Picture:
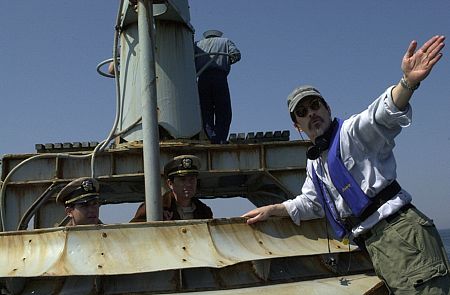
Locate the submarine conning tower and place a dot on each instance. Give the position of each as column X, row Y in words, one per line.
column 179, row 114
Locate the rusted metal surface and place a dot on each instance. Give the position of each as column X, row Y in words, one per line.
column 156, row 246
column 222, row 256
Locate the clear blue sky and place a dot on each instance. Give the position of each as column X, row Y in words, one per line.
column 350, row 50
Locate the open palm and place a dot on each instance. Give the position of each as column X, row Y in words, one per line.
column 416, row 65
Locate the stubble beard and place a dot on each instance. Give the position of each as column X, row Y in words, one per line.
column 318, row 128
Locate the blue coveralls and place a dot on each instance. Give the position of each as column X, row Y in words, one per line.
column 214, row 94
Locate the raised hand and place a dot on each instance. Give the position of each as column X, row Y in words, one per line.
column 416, row 65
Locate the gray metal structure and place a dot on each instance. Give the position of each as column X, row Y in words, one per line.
column 263, row 172
column 218, row 256
column 179, row 109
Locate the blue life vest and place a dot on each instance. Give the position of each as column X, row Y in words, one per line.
column 345, row 184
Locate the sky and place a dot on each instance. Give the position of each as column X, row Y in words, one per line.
column 350, row 50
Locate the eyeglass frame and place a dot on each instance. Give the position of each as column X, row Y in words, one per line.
column 302, row 111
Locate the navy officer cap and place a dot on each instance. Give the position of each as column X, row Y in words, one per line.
column 182, row 165
column 81, row 190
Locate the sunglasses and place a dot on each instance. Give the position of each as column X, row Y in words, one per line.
column 302, row 110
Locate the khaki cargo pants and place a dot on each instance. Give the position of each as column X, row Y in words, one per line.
column 408, row 254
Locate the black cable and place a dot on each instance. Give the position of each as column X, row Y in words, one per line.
column 331, row 262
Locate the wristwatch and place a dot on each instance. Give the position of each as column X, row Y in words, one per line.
column 407, row 86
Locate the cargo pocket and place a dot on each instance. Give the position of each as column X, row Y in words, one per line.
column 427, row 274
column 427, row 235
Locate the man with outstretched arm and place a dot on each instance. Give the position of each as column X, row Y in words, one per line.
column 351, row 180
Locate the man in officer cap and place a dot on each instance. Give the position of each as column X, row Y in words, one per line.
column 180, row 201
column 214, row 94
column 81, row 201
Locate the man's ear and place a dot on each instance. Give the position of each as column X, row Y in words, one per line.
column 169, row 184
column 68, row 211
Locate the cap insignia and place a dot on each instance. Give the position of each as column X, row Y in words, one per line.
column 87, row 185
column 186, row 163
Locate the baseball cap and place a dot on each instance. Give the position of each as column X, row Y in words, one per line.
column 299, row 93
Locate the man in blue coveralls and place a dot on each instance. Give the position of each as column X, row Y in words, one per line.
column 215, row 102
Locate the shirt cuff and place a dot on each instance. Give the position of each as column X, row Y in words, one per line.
column 403, row 116
column 292, row 211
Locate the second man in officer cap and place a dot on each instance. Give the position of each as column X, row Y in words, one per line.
column 180, row 201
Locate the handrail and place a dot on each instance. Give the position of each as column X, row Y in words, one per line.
column 106, row 61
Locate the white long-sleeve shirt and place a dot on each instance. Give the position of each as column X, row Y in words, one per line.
column 366, row 144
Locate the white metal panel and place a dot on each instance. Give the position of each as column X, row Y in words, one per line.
column 156, row 246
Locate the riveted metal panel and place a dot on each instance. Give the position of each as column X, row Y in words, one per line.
column 199, row 256
column 99, row 250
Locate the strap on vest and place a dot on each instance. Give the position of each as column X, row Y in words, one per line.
column 382, row 197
